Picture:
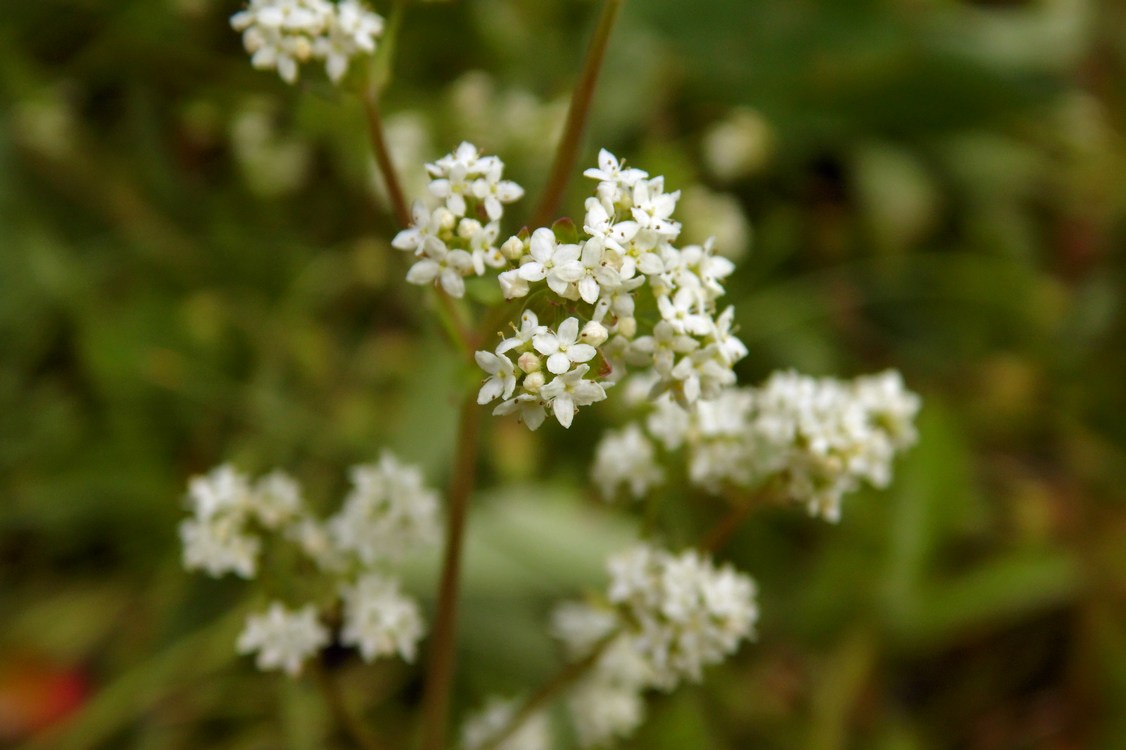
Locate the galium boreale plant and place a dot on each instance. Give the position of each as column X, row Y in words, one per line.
column 606, row 305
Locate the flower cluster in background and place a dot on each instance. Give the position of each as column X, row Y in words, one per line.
column 282, row 34
column 388, row 512
column 664, row 618
column 820, row 437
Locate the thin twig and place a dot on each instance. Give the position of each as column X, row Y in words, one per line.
column 577, row 114
column 383, row 160
column 563, row 679
column 440, row 670
column 720, row 534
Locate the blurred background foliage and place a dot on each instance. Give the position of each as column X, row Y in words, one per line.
column 195, row 267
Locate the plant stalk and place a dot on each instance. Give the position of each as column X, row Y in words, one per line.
column 399, row 206
column 567, row 153
column 440, row 670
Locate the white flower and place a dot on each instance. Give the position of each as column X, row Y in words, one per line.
column 682, row 613
column 627, row 459
column 596, row 274
column 281, row 34
column 529, row 328
column 558, row 264
column 388, row 513
column 284, row 639
column 562, row 348
column 218, row 545
column 379, row 620
column 443, row 266
column 567, row 392
column 352, row 32
column 528, row 407
column 534, row 732
column 503, row 380
column 228, row 511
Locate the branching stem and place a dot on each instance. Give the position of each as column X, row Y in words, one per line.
column 563, row 679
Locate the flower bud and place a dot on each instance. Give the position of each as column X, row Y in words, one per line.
column 466, row 228
column 445, row 218
column 528, row 362
column 513, row 248
column 627, row 327
column 533, row 382
column 594, row 333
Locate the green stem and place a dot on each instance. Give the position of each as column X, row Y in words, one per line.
column 567, row 153
column 440, row 670
column 563, row 679
column 383, row 159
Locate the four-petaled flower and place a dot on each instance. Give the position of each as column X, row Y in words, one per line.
column 562, row 348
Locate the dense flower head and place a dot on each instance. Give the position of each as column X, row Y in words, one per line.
column 681, row 612
column 228, row 511
column 282, row 34
column 593, row 282
column 283, row 638
column 820, row 438
column 388, row 513
column 457, row 238
column 379, row 620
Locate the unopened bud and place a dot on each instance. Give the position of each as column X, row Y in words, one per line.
column 513, row 248
column 466, row 228
column 446, row 218
column 594, row 333
column 528, row 362
column 533, row 382
column 627, row 327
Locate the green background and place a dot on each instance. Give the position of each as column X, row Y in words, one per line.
column 195, row 267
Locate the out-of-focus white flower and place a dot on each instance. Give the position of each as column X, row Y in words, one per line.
column 533, row 734
column 739, row 145
column 282, row 34
column 820, row 438
column 625, row 458
column 388, row 513
column 379, row 619
column 680, row 612
column 228, row 512
column 283, row 638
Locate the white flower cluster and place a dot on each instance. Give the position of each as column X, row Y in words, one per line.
column 820, row 437
column 534, row 733
column 388, row 513
column 458, row 238
column 626, row 459
column 666, row 617
column 281, row 34
column 283, row 638
column 683, row 613
column 626, row 248
column 227, row 511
